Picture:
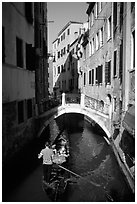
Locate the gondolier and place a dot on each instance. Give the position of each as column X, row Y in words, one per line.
column 47, row 154
column 57, row 182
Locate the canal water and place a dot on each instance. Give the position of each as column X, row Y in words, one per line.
column 90, row 156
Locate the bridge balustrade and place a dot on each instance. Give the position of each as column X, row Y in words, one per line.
column 72, row 98
column 80, row 103
column 96, row 105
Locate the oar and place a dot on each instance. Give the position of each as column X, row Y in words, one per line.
column 95, row 184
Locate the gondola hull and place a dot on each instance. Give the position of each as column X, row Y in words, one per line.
column 59, row 177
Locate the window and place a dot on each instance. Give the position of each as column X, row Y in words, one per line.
column 30, row 57
column 3, row 44
column 62, row 68
column 20, row 112
column 29, row 108
column 64, row 50
column 58, row 69
column 58, row 54
column 64, row 36
column 84, row 79
column 19, row 52
column 100, row 69
column 93, row 46
column 61, row 37
column 68, row 46
column 115, row 63
column 109, row 27
column 90, row 77
column 61, row 52
column 99, row 74
column 90, row 49
column 58, row 41
column 68, row 31
column 133, row 50
column 96, row 75
column 101, row 36
column 108, row 72
column 115, row 16
column 97, row 41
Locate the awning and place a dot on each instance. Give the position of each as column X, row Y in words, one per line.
column 129, row 120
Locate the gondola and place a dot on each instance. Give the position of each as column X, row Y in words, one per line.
column 57, row 186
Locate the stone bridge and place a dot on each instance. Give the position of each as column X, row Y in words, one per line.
column 74, row 103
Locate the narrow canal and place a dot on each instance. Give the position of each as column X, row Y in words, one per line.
column 90, row 156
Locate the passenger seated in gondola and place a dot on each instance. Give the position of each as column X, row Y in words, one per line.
column 61, row 151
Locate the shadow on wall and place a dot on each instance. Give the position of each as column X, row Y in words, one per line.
column 67, row 81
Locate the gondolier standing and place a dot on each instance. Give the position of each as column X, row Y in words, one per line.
column 47, row 154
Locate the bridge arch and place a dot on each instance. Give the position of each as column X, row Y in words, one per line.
column 101, row 120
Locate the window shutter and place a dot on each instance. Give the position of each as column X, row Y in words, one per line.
column 100, row 74
column 106, row 72
column 92, row 76
column 109, row 72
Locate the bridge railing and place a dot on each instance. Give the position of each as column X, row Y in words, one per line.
column 72, row 98
column 86, row 101
column 96, row 105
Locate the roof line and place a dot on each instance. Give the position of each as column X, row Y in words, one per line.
column 70, row 22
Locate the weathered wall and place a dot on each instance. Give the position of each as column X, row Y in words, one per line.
column 14, row 136
column 17, row 84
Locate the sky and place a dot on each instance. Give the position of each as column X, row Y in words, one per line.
column 61, row 13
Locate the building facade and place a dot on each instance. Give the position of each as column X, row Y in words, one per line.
column 124, row 102
column 107, row 73
column 62, row 74
column 96, row 54
column 19, row 74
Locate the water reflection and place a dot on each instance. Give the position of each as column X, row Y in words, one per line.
column 92, row 158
